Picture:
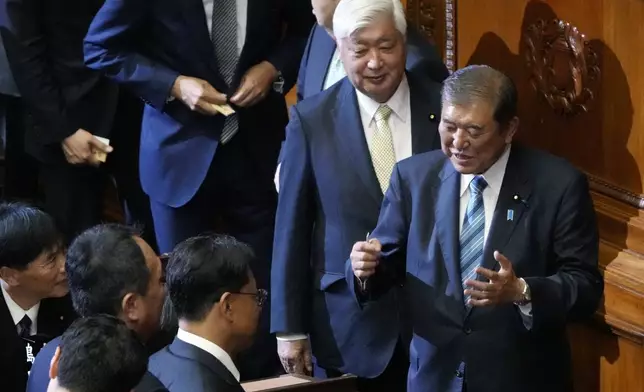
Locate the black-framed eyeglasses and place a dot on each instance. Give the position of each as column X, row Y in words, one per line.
column 260, row 296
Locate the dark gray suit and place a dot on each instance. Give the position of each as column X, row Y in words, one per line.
column 182, row 367
column 550, row 236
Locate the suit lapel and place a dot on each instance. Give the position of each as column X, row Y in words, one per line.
column 447, row 225
column 424, row 128
column 351, row 139
column 195, row 21
column 320, row 60
column 503, row 225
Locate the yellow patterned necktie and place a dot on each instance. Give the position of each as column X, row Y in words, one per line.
column 382, row 148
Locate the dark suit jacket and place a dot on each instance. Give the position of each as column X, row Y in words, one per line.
column 329, row 199
column 145, row 46
column 422, row 59
column 54, row 316
column 183, row 367
column 44, row 44
column 552, row 242
column 39, row 375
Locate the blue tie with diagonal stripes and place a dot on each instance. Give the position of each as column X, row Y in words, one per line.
column 472, row 234
column 224, row 36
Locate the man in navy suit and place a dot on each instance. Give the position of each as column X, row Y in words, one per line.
column 204, row 170
column 500, row 246
column 340, row 149
column 217, row 302
column 321, row 66
column 111, row 270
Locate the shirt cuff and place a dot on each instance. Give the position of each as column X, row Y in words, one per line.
column 526, row 315
column 289, row 337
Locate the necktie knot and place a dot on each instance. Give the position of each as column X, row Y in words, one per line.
column 24, row 327
column 383, row 113
column 477, row 185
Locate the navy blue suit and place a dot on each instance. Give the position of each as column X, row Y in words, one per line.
column 39, row 375
column 182, row 367
column 552, row 242
column 422, row 59
column 195, row 184
column 330, row 198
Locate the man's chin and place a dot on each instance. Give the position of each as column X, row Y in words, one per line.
column 60, row 290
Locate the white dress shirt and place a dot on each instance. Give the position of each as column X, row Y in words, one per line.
column 494, row 178
column 211, row 348
column 17, row 313
column 335, row 72
column 242, row 10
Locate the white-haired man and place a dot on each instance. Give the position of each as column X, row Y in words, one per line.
column 340, row 149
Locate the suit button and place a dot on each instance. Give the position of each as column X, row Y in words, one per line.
column 467, row 331
column 458, row 374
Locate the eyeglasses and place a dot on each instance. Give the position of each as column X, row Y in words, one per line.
column 260, row 296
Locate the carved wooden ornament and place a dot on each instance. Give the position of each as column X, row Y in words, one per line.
column 563, row 65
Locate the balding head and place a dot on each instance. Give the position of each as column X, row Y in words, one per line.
column 486, row 84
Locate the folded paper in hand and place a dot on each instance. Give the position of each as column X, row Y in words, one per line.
column 100, row 155
column 226, row 110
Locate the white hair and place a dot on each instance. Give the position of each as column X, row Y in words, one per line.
column 353, row 15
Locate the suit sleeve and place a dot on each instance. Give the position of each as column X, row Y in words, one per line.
column 301, row 75
column 423, row 58
column 392, row 231
column 290, row 271
column 286, row 58
column 575, row 289
column 27, row 51
column 111, row 47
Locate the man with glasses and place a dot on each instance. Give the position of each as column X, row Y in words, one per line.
column 217, row 302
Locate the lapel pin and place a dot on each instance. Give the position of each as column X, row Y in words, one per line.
column 510, row 216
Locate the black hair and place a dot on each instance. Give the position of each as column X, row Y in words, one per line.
column 25, row 233
column 104, row 263
column 201, row 269
column 101, row 354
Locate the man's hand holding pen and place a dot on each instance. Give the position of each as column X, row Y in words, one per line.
column 365, row 257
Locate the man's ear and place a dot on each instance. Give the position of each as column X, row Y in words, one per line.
column 511, row 129
column 53, row 365
column 225, row 305
column 130, row 307
column 9, row 275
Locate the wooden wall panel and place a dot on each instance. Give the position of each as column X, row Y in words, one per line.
column 579, row 68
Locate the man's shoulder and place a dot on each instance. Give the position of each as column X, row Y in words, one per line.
column 540, row 164
column 150, row 383
column 429, row 163
column 39, row 374
column 324, row 101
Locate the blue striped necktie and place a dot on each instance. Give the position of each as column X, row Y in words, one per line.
column 473, row 232
column 224, row 37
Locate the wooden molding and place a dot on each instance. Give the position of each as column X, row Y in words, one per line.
column 436, row 20
column 621, row 309
column 606, row 188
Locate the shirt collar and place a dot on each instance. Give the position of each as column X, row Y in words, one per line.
column 398, row 102
column 211, row 348
column 17, row 313
column 493, row 176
